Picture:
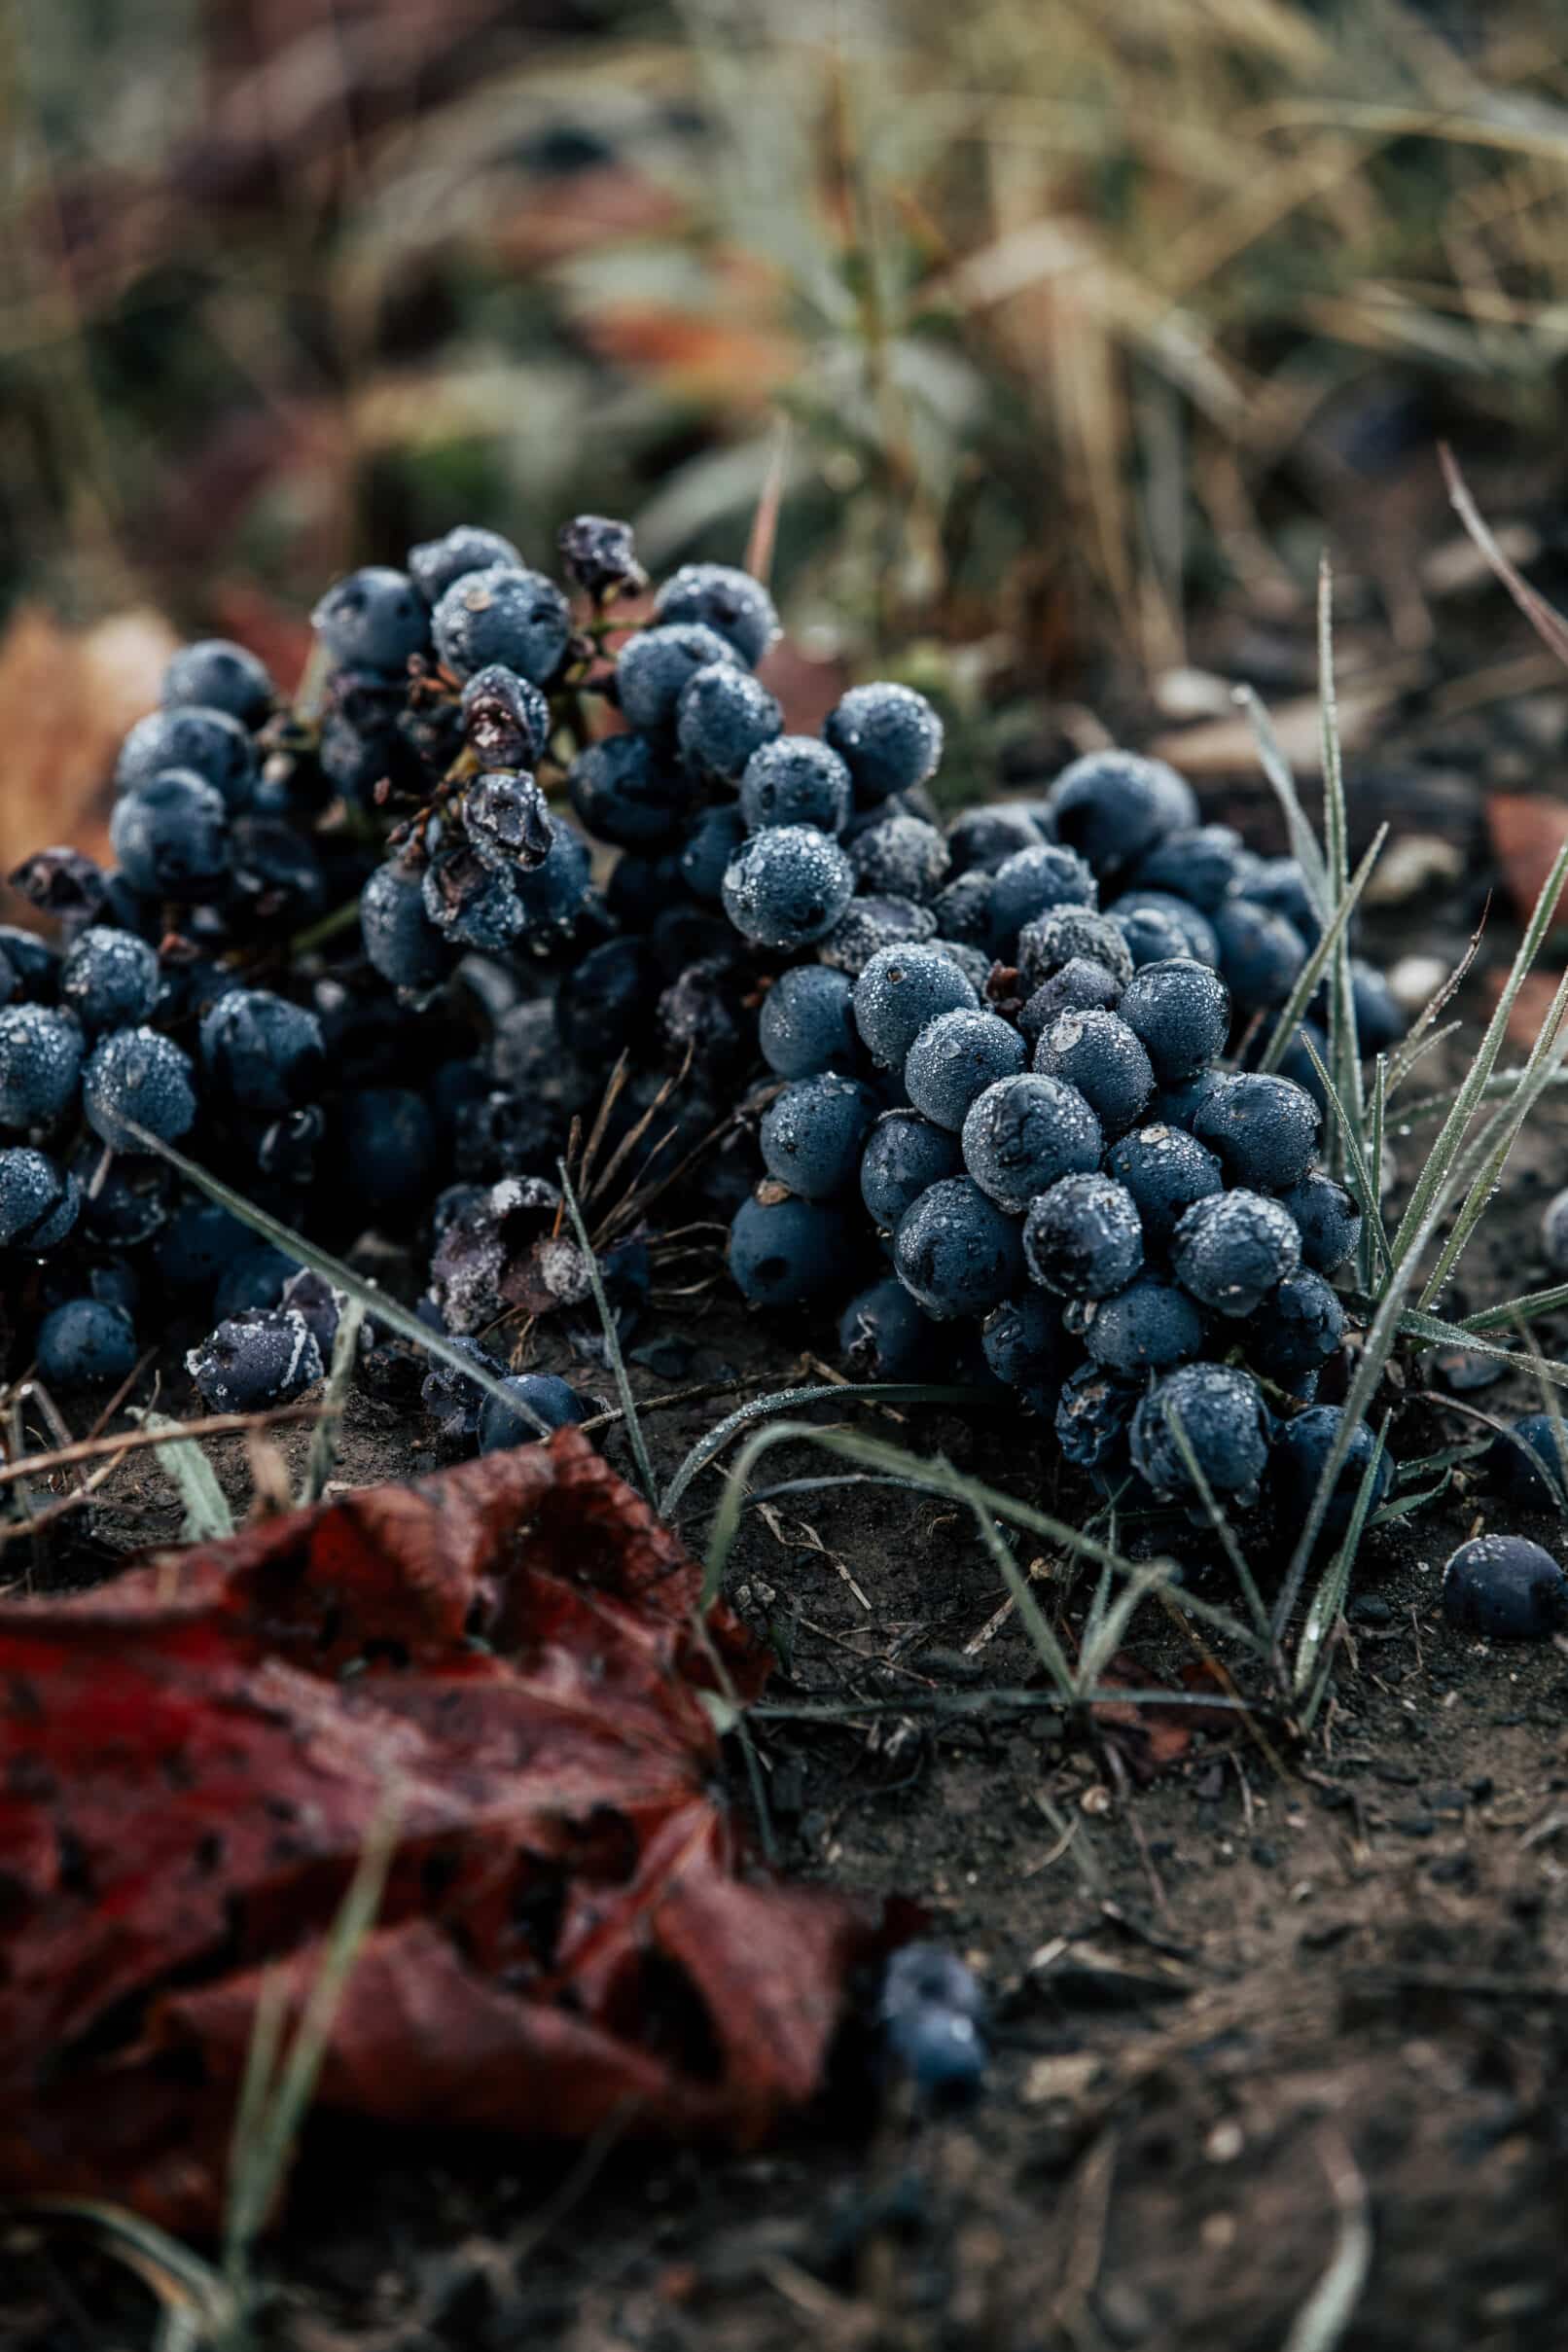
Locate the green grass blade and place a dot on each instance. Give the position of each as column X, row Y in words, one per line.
column 611, row 1339
column 207, row 1516
column 1305, row 846
column 262, row 2159
column 1527, row 1308
column 1498, row 1140
column 374, row 1301
column 1359, row 1179
column 713, row 1441
column 1217, row 1519
column 1435, row 1331
column 934, row 1476
column 1032, row 1616
column 327, row 1435
column 1313, row 971
column 1415, row 1220
column 1148, row 1575
column 1323, row 1613
column 1345, row 1041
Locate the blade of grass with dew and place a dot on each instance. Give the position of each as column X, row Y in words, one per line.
column 1417, row 1039
column 1344, row 1037
column 1376, row 1147
column 170, row 2270
column 1446, row 1150
column 1526, row 1308
column 327, row 1435
column 1496, row 1089
column 611, row 1339
column 1313, row 971
column 1410, row 1506
column 1367, row 1194
column 939, row 1477
column 1032, row 1616
column 1148, row 1575
column 1304, row 845
column 713, row 1441
column 1327, row 1601
column 374, row 1301
column 1377, row 1346
column 1556, row 1481
column 1497, row 1143
column 207, row 1516
column 1435, row 1331
column 1217, row 1519
column 277, row 2110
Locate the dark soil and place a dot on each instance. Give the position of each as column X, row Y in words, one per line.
column 1279, row 2003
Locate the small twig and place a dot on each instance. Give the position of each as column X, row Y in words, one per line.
column 214, row 1425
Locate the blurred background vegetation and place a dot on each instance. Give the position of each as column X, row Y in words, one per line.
column 1064, row 321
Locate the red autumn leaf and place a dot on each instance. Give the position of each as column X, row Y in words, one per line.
column 193, row 1757
column 1152, row 1738
column 1528, row 830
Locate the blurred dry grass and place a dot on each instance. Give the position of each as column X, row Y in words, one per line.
column 1071, row 310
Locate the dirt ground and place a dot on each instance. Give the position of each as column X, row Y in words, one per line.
column 1279, row 2034
column 1267, row 2008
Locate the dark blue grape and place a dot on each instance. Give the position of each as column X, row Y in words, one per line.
column 1528, row 1464
column 812, row 1133
column 722, row 598
column 1231, row 1249
column 171, row 837
column 517, row 618
column 540, row 1398
column 630, row 791
column 1180, row 1011
column 805, row 1023
column 956, row 1252
column 435, row 563
column 1165, row 1171
column 218, row 675
column 401, row 941
column 787, row 886
column 722, row 716
column 900, row 990
column 654, row 670
column 40, row 1063
column 206, row 743
column 904, row 1155
column 888, row 737
column 790, row 1253
column 883, row 1336
column 796, row 780
column 1221, row 1415
column 1083, row 1239
column 262, row 1053
column 955, row 1057
column 265, row 1355
column 139, row 1075
column 1113, row 806
column 1149, row 1327
column 86, row 1344
column 1505, row 1588
column 1025, row 1133
column 1263, row 1129
column 1098, row 1055
column 374, row 619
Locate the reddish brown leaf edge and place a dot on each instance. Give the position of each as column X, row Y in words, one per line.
column 572, row 1936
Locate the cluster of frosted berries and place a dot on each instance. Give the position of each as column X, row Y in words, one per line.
column 351, row 959
column 369, row 959
column 1021, row 1076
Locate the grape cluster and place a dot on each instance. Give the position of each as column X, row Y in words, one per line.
column 359, row 959
column 1025, row 1082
